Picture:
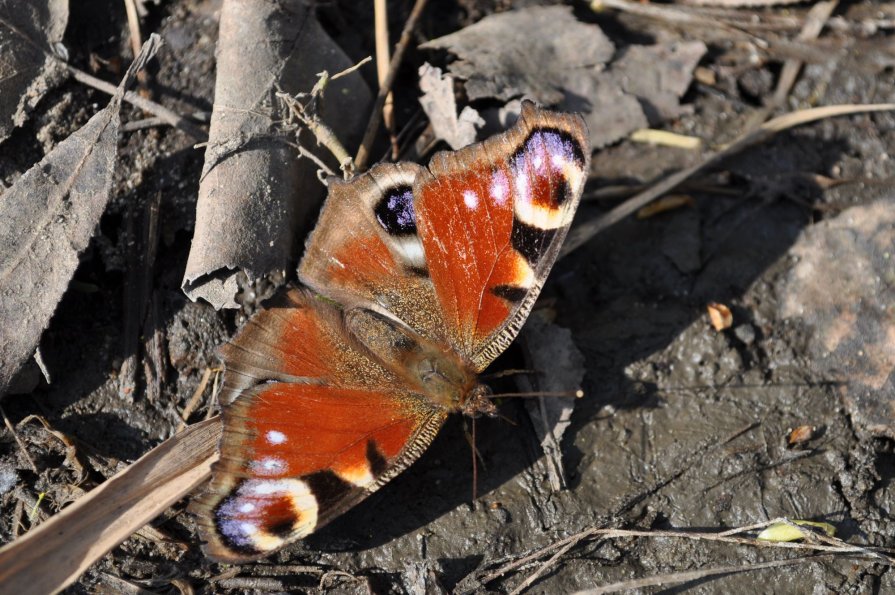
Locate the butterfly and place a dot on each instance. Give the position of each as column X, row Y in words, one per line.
column 414, row 279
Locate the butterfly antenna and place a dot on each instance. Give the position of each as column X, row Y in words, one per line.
column 475, row 466
column 510, row 372
column 559, row 393
column 476, row 457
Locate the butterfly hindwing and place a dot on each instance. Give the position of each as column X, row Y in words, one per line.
column 366, row 251
column 330, row 428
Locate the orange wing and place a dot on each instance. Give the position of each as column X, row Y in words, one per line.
column 329, row 429
column 492, row 218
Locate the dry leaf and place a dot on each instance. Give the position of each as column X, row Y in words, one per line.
column 49, row 216
column 551, row 351
column 666, row 139
column 440, row 105
column 842, row 288
column 494, row 64
column 788, row 532
column 720, row 315
column 801, row 435
column 256, row 196
column 565, row 62
column 54, row 554
column 28, row 31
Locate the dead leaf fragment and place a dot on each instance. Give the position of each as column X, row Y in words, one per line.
column 720, row 316
column 566, row 63
column 440, row 105
column 790, row 532
column 800, row 435
column 256, row 195
column 28, row 69
column 666, row 139
column 495, row 65
column 54, row 554
column 49, row 216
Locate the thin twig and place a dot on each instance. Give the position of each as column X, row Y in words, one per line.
column 363, row 153
column 149, row 106
column 133, row 24
column 18, row 440
column 563, row 545
column 323, row 133
column 317, row 160
column 814, row 24
column 215, row 391
column 194, row 400
column 692, row 575
column 674, row 16
column 530, row 579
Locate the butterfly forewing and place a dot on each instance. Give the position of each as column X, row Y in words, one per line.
column 491, row 219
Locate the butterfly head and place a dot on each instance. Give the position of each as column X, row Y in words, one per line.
column 478, row 402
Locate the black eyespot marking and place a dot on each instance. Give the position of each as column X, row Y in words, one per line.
column 511, row 293
column 418, row 271
column 394, row 211
column 327, row 487
column 283, row 527
column 378, row 464
column 530, row 241
column 561, row 192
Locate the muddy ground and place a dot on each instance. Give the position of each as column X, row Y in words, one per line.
column 682, row 426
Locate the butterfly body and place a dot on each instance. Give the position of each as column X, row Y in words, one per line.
column 416, row 279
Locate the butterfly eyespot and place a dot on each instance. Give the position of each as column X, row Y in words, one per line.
column 394, row 211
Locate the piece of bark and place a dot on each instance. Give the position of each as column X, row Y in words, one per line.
column 256, row 197
column 842, row 287
column 28, row 69
column 49, row 216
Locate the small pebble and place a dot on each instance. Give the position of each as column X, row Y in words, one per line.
column 745, row 333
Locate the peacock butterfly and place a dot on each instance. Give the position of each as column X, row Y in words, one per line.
column 416, row 278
